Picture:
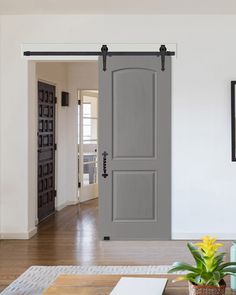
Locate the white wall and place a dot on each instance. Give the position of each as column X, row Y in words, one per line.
column 203, row 184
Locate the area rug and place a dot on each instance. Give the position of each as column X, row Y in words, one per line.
column 37, row 278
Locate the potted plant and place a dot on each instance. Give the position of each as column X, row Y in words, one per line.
column 207, row 276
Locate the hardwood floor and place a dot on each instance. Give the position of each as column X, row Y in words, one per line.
column 70, row 237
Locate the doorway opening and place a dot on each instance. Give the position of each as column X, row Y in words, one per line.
column 88, row 144
column 57, row 128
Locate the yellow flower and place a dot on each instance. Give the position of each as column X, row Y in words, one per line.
column 208, row 246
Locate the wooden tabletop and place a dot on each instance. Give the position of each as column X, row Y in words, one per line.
column 103, row 285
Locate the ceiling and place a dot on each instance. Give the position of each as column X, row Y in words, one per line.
column 118, row 7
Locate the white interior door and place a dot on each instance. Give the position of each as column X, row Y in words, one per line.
column 88, row 145
column 135, row 148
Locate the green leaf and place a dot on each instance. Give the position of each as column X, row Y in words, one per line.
column 194, row 278
column 228, row 274
column 196, row 255
column 180, row 266
column 224, row 265
column 229, row 269
column 199, row 280
column 219, row 258
column 217, row 276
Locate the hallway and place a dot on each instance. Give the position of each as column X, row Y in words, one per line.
column 70, row 237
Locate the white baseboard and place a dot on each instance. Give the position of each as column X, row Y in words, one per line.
column 82, row 200
column 18, row 236
column 68, row 203
column 198, row 236
column 72, row 202
column 60, row 207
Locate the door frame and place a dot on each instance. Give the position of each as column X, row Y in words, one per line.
column 32, row 93
column 79, row 91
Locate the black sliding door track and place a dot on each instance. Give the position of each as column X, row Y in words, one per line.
column 104, row 53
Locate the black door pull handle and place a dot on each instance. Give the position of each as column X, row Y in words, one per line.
column 104, row 155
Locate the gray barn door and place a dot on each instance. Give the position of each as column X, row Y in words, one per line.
column 135, row 134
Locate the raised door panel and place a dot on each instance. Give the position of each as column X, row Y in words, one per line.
column 133, row 98
column 134, row 195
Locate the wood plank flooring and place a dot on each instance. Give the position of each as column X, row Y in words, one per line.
column 70, row 237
